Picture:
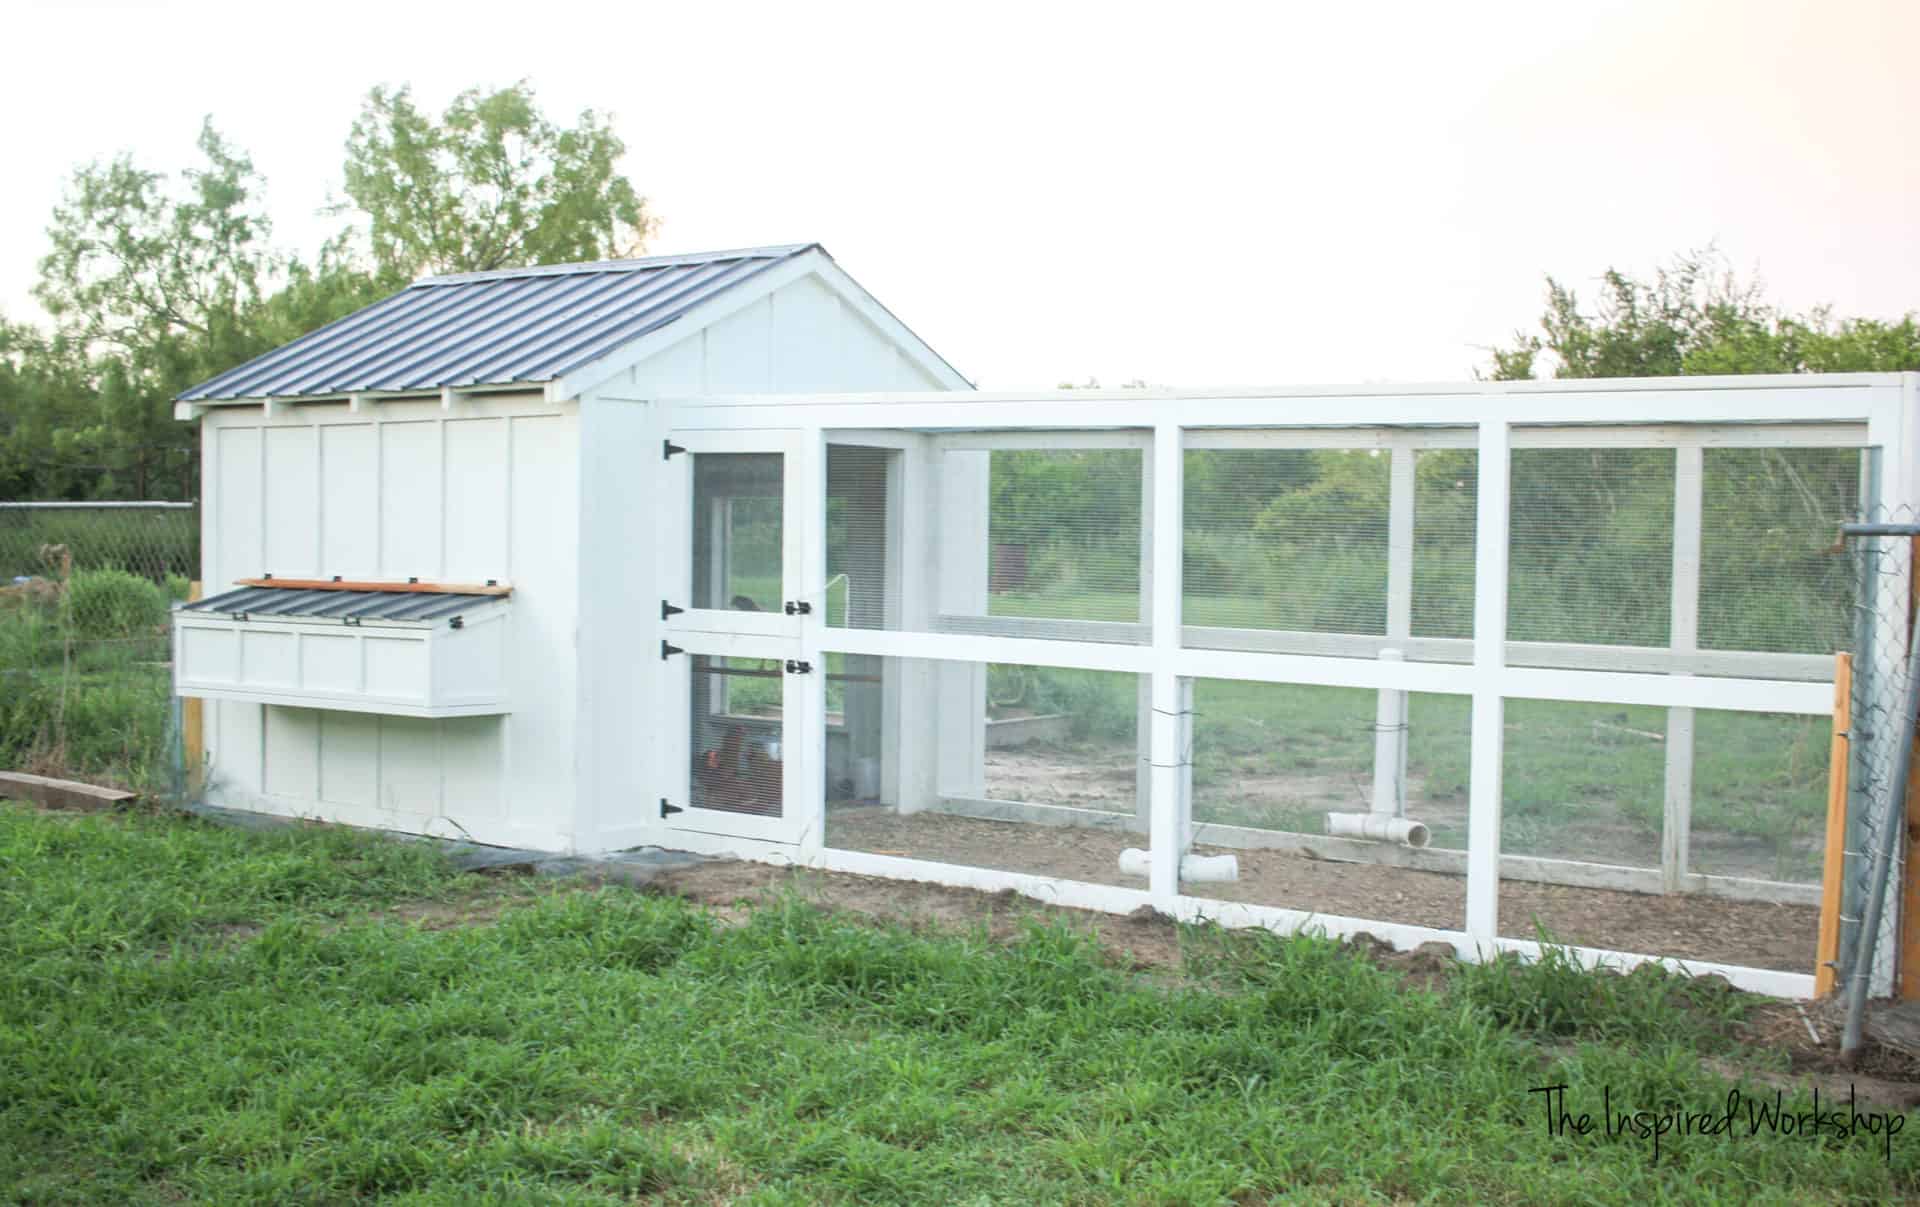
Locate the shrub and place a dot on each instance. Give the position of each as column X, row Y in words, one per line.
column 114, row 603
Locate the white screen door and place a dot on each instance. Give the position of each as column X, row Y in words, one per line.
column 737, row 686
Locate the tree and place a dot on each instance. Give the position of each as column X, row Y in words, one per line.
column 152, row 288
column 492, row 184
column 1696, row 316
column 1594, row 521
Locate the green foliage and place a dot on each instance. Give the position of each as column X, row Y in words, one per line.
column 1696, row 316
column 156, row 283
column 1098, row 704
column 114, row 603
column 492, row 184
column 208, row 1015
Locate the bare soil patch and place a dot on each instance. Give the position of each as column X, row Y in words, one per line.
column 1755, row 934
column 1101, row 776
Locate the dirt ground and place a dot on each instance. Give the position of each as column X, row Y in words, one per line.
column 1806, row 1033
column 1755, row 934
column 1101, row 776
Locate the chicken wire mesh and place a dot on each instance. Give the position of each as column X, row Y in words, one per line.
column 1063, row 533
column 85, row 681
column 1592, row 546
column 1006, row 766
column 1773, row 578
column 1286, row 539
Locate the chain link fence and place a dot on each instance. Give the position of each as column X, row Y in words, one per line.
column 85, row 683
column 1880, row 735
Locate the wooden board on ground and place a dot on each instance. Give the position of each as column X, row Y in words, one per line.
column 61, row 794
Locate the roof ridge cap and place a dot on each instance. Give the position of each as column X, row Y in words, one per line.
column 585, row 267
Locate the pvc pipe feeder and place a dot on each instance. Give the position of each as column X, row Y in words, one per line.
column 1196, row 869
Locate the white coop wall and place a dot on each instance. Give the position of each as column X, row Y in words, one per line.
column 804, row 336
column 483, row 489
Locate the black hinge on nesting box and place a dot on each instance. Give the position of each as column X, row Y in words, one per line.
column 799, row 607
column 796, row 667
column 668, row 651
column 667, row 810
column 668, row 448
column 667, row 609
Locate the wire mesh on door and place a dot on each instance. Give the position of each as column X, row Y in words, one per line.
column 737, row 733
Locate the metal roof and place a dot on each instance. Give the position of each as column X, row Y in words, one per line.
column 338, row 605
column 493, row 328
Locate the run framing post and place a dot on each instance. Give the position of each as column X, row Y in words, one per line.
column 807, row 756
column 1143, row 709
column 1684, row 636
column 1400, row 543
column 1169, row 826
column 1491, row 526
column 1390, row 711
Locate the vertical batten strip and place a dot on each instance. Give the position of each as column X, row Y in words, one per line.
column 1167, row 824
column 1489, row 661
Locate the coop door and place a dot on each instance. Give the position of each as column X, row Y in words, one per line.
column 737, row 688
column 741, row 702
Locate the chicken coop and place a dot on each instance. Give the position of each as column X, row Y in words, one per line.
column 712, row 553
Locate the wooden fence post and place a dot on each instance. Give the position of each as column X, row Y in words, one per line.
column 1834, row 868
column 192, row 725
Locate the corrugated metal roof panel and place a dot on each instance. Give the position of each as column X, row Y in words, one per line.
column 493, row 328
column 296, row 602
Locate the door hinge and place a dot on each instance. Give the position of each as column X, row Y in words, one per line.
column 799, row 607
column 668, row 448
column 668, row 651
column 667, row 609
column 797, row 667
column 667, row 810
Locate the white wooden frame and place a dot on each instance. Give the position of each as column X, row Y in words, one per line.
column 1833, row 411
column 774, row 636
column 800, row 757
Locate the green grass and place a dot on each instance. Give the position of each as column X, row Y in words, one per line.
column 192, row 1013
column 93, row 708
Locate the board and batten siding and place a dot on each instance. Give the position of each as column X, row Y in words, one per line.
column 487, row 489
column 802, row 337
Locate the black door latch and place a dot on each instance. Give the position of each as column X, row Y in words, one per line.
column 799, row 607
column 796, row 667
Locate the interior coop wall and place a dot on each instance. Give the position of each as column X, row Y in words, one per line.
column 487, row 490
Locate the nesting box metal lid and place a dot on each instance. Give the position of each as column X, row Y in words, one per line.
column 298, row 599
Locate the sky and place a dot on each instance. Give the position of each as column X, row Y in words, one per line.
column 1183, row 193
